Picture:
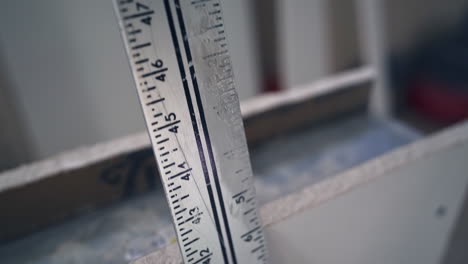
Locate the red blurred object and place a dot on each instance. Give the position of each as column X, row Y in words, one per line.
column 272, row 84
column 438, row 100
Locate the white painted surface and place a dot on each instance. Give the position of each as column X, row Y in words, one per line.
column 398, row 208
column 390, row 220
column 371, row 17
column 71, row 75
column 302, row 41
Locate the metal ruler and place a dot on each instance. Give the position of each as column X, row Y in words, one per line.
column 180, row 61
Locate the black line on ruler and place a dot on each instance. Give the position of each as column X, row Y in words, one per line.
column 195, row 125
column 167, row 125
column 142, row 61
column 239, row 194
column 191, row 253
column 203, row 259
column 186, row 232
column 155, row 101
column 162, row 141
column 138, row 15
column 169, row 165
column 141, row 46
column 249, row 211
column 133, row 32
column 205, row 127
column 199, row 2
column 153, row 73
column 176, row 188
column 191, row 241
column 180, row 173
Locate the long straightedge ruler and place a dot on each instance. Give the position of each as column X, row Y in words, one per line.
column 180, row 61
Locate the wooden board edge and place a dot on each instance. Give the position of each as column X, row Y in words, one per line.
column 316, row 194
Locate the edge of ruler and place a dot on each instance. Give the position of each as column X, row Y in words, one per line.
column 316, row 194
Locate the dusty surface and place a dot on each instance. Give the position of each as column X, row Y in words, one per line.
column 127, row 230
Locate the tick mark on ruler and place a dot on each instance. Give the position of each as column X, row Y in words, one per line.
column 191, row 253
column 187, row 232
column 162, row 141
column 153, row 73
column 169, row 165
column 141, row 61
column 133, row 32
column 140, row 46
column 191, row 242
column 123, row 2
column 139, row 15
column 219, row 39
column 180, row 173
column 166, row 126
column 156, row 101
column 203, row 259
column 149, row 89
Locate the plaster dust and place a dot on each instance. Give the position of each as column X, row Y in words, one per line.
column 131, row 229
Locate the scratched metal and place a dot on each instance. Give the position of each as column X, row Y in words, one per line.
column 179, row 58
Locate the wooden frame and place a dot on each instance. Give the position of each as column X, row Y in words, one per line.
column 293, row 223
column 80, row 180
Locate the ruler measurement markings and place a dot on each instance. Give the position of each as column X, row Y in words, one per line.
column 188, row 54
column 143, row 14
column 194, row 124
column 167, row 125
column 162, row 141
column 156, row 101
column 154, row 73
column 140, row 46
column 197, row 104
column 203, row 259
column 134, row 32
column 142, row 61
column 191, row 253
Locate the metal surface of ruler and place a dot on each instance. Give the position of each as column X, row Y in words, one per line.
column 179, row 58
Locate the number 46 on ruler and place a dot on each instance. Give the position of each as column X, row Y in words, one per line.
column 178, row 54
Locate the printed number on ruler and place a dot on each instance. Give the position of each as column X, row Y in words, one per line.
column 179, row 58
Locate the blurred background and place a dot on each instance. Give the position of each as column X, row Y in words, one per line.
column 65, row 80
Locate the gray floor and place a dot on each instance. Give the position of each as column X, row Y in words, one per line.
column 127, row 230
